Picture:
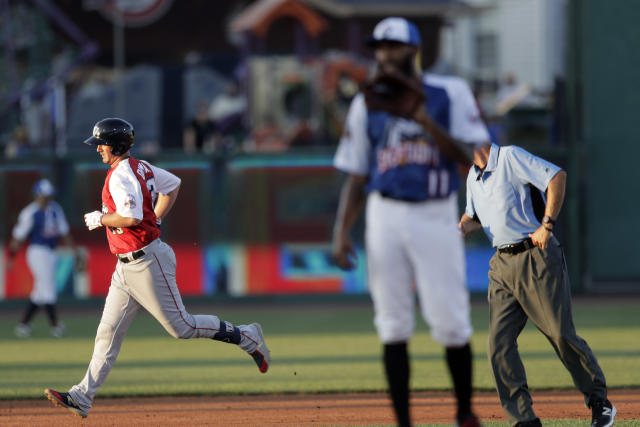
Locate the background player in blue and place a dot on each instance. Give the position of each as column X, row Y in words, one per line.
column 397, row 166
column 42, row 223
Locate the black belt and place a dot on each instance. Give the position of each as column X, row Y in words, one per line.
column 517, row 248
column 134, row 256
column 401, row 199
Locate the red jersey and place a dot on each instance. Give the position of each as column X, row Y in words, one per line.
column 130, row 191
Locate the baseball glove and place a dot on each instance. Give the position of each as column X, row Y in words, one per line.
column 394, row 92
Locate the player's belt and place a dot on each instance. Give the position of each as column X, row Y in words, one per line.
column 401, row 199
column 517, row 248
column 131, row 256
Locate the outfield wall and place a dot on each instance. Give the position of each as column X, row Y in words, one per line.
column 254, row 225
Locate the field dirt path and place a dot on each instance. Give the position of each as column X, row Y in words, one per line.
column 297, row 410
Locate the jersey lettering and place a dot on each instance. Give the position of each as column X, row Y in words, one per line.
column 151, row 186
column 143, row 170
column 407, row 163
column 417, row 153
column 116, row 230
column 147, row 175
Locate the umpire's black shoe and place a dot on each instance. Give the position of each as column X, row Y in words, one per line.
column 603, row 413
column 531, row 423
column 64, row 400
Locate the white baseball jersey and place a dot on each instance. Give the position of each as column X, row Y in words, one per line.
column 411, row 216
column 42, row 228
column 397, row 154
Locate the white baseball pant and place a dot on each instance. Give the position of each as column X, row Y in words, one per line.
column 419, row 243
column 42, row 261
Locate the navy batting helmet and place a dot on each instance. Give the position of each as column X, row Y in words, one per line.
column 114, row 132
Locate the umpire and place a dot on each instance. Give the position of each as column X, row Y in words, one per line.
column 528, row 276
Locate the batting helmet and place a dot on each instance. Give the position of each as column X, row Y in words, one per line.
column 114, row 132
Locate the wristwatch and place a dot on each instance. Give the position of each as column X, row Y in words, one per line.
column 547, row 220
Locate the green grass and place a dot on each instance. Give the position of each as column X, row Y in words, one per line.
column 328, row 348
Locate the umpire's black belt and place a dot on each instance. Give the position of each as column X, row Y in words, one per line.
column 517, row 248
column 131, row 256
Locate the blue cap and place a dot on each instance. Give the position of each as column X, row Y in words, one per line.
column 395, row 29
column 43, row 188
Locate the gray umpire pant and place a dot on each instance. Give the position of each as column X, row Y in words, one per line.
column 534, row 285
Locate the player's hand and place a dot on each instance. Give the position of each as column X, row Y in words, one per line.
column 540, row 237
column 93, row 220
column 343, row 254
column 468, row 225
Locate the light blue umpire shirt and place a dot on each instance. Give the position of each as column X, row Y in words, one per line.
column 500, row 194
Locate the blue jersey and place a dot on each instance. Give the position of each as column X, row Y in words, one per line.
column 41, row 226
column 398, row 156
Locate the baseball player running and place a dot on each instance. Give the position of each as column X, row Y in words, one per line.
column 411, row 213
column 135, row 197
column 41, row 223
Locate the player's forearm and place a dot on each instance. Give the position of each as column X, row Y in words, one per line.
column 351, row 203
column 14, row 245
column 453, row 149
column 555, row 194
column 165, row 203
column 116, row 220
column 189, row 140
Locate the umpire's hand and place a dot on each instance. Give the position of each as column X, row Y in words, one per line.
column 343, row 254
column 541, row 237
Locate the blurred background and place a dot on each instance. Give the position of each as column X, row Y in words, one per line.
column 245, row 101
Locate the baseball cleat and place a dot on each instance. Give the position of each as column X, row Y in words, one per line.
column 59, row 331
column 22, row 330
column 64, row 400
column 261, row 354
column 604, row 413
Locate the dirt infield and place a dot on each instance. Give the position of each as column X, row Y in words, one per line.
column 297, row 410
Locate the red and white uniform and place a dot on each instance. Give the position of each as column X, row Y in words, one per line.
column 131, row 190
column 147, row 281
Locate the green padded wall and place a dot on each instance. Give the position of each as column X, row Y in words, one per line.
column 610, row 66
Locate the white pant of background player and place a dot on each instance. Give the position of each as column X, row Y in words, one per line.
column 147, row 282
column 419, row 243
column 42, row 261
